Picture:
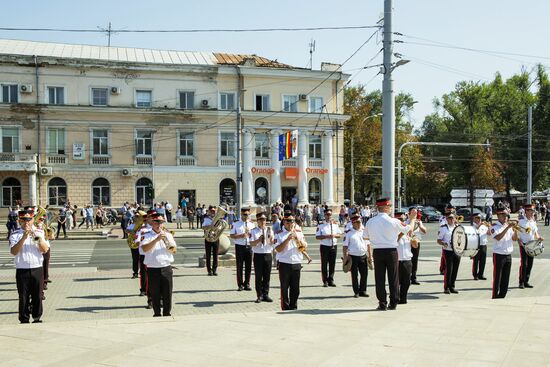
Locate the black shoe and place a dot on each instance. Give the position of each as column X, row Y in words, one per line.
column 267, row 299
column 356, row 295
column 247, row 288
column 48, row 280
column 43, row 297
column 331, row 285
column 167, row 314
column 446, row 291
column 454, row 291
column 149, row 306
column 157, row 315
column 209, row 273
column 240, row 288
column 214, row 274
column 37, row 321
column 134, row 276
column 258, row 300
column 45, row 286
column 476, row 278
column 527, row 285
column 381, row 308
column 482, row 278
column 392, row 306
column 521, row 286
column 325, row 284
column 415, row 282
column 363, row 294
column 441, row 273
column 25, row 322
column 402, row 302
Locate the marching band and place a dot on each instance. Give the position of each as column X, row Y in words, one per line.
column 384, row 243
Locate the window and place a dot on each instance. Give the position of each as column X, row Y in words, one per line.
column 101, row 192
column 144, row 191
column 315, row 191
column 315, row 104
column 57, row 192
column 315, row 147
column 56, row 141
column 227, row 144
column 10, row 93
column 186, row 144
column 227, row 101
column 261, row 191
column 290, row 103
column 10, row 140
column 187, row 100
column 144, row 142
column 56, row 95
column 262, row 146
column 228, row 188
column 100, row 142
column 143, row 98
column 11, row 192
column 99, row 96
column 262, row 102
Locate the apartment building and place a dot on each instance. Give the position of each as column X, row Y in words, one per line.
column 94, row 124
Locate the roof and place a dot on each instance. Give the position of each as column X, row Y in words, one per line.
column 130, row 55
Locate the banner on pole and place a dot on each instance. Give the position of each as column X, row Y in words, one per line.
column 288, row 145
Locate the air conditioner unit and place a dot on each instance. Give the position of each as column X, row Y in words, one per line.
column 126, row 172
column 25, row 88
column 303, row 97
column 115, row 90
column 46, row 171
column 204, row 103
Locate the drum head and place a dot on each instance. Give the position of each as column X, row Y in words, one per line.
column 459, row 240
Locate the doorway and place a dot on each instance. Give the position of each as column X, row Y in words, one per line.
column 189, row 195
column 287, row 193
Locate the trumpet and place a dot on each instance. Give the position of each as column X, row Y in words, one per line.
column 460, row 218
column 516, row 227
column 169, row 241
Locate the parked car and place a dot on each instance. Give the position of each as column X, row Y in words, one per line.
column 431, row 215
column 465, row 212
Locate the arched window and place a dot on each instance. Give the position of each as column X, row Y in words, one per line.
column 11, row 192
column 261, row 192
column 228, row 188
column 315, row 191
column 101, row 191
column 145, row 192
column 57, row 192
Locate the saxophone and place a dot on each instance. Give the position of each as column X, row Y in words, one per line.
column 215, row 230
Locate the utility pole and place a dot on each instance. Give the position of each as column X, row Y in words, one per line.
column 388, row 104
column 109, row 35
column 352, row 186
column 529, row 154
column 239, row 162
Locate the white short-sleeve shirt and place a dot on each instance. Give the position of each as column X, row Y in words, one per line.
column 382, row 231
column 29, row 257
column 325, row 229
column 158, row 256
column 291, row 254
column 267, row 246
column 240, row 227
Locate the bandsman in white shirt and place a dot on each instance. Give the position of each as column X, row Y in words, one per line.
column 210, row 248
column 359, row 250
column 140, row 236
column 382, row 231
column 328, row 233
column 442, row 222
column 261, row 240
column 41, row 225
column 404, row 251
column 452, row 260
column 528, row 232
column 159, row 247
column 479, row 260
column 240, row 233
column 289, row 244
column 504, row 236
column 417, row 233
column 27, row 245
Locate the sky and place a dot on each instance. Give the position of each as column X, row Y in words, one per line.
column 489, row 25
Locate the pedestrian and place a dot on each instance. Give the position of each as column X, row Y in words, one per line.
column 191, row 216
column 61, row 223
column 168, row 208
column 199, row 215
column 179, row 218
column 69, row 216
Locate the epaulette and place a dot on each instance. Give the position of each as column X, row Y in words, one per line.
column 443, row 225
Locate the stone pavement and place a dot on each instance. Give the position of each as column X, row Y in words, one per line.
column 96, row 318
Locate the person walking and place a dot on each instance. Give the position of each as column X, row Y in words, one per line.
column 61, row 223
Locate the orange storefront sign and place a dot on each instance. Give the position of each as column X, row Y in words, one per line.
column 291, row 173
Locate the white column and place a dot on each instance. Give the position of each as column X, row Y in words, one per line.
column 32, row 189
column 328, row 164
column 303, row 194
column 248, row 180
column 275, row 189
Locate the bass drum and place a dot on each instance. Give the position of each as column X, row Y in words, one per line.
column 534, row 248
column 465, row 241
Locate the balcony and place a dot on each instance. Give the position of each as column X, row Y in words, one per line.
column 143, row 161
column 101, row 160
column 317, row 163
column 289, row 163
column 57, row 159
column 17, row 157
column 227, row 161
column 186, row 161
column 262, row 162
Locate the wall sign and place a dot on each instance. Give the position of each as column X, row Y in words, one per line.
column 262, row 170
column 317, row 170
column 79, row 151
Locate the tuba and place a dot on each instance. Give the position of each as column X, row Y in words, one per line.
column 48, row 230
column 213, row 233
column 131, row 239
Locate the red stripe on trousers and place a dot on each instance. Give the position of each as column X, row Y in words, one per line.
column 521, row 280
column 494, row 274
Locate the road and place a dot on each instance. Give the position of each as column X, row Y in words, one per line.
column 114, row 254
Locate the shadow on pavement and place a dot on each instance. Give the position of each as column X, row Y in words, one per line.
column 96, row 309
column 324, row 312
column 9, row 313
column 9, row 299
column 103, row 296
column 212, row 303
column 205, row 291
column 96, row 279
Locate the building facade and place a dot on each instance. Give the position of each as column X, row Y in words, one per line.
column 94, row 124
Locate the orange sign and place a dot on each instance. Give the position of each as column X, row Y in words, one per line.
column 291, row 173
column 268, row 170
column 317, row 170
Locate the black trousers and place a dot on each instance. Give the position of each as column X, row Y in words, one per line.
column 135, row 260
column 478, row 263
column 169, row 216
column 414, row 261
column 405, row 271
column 525, row 266
column 452, row 262
column 160, row 286
column 328, row 263
column 46, row 265
column 243, row 256
column 59, row 226
column 30, row 285
column 211, row 249
column 385, row 261
column 502, row 264
column 547, row 218
column 142, row 275
column 359, row 273
column 262, row 273
column 199, row 221
column 289, row 276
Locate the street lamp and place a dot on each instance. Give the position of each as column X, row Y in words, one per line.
column 352, row 186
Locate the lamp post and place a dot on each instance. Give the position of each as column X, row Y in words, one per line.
column 486, row 145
